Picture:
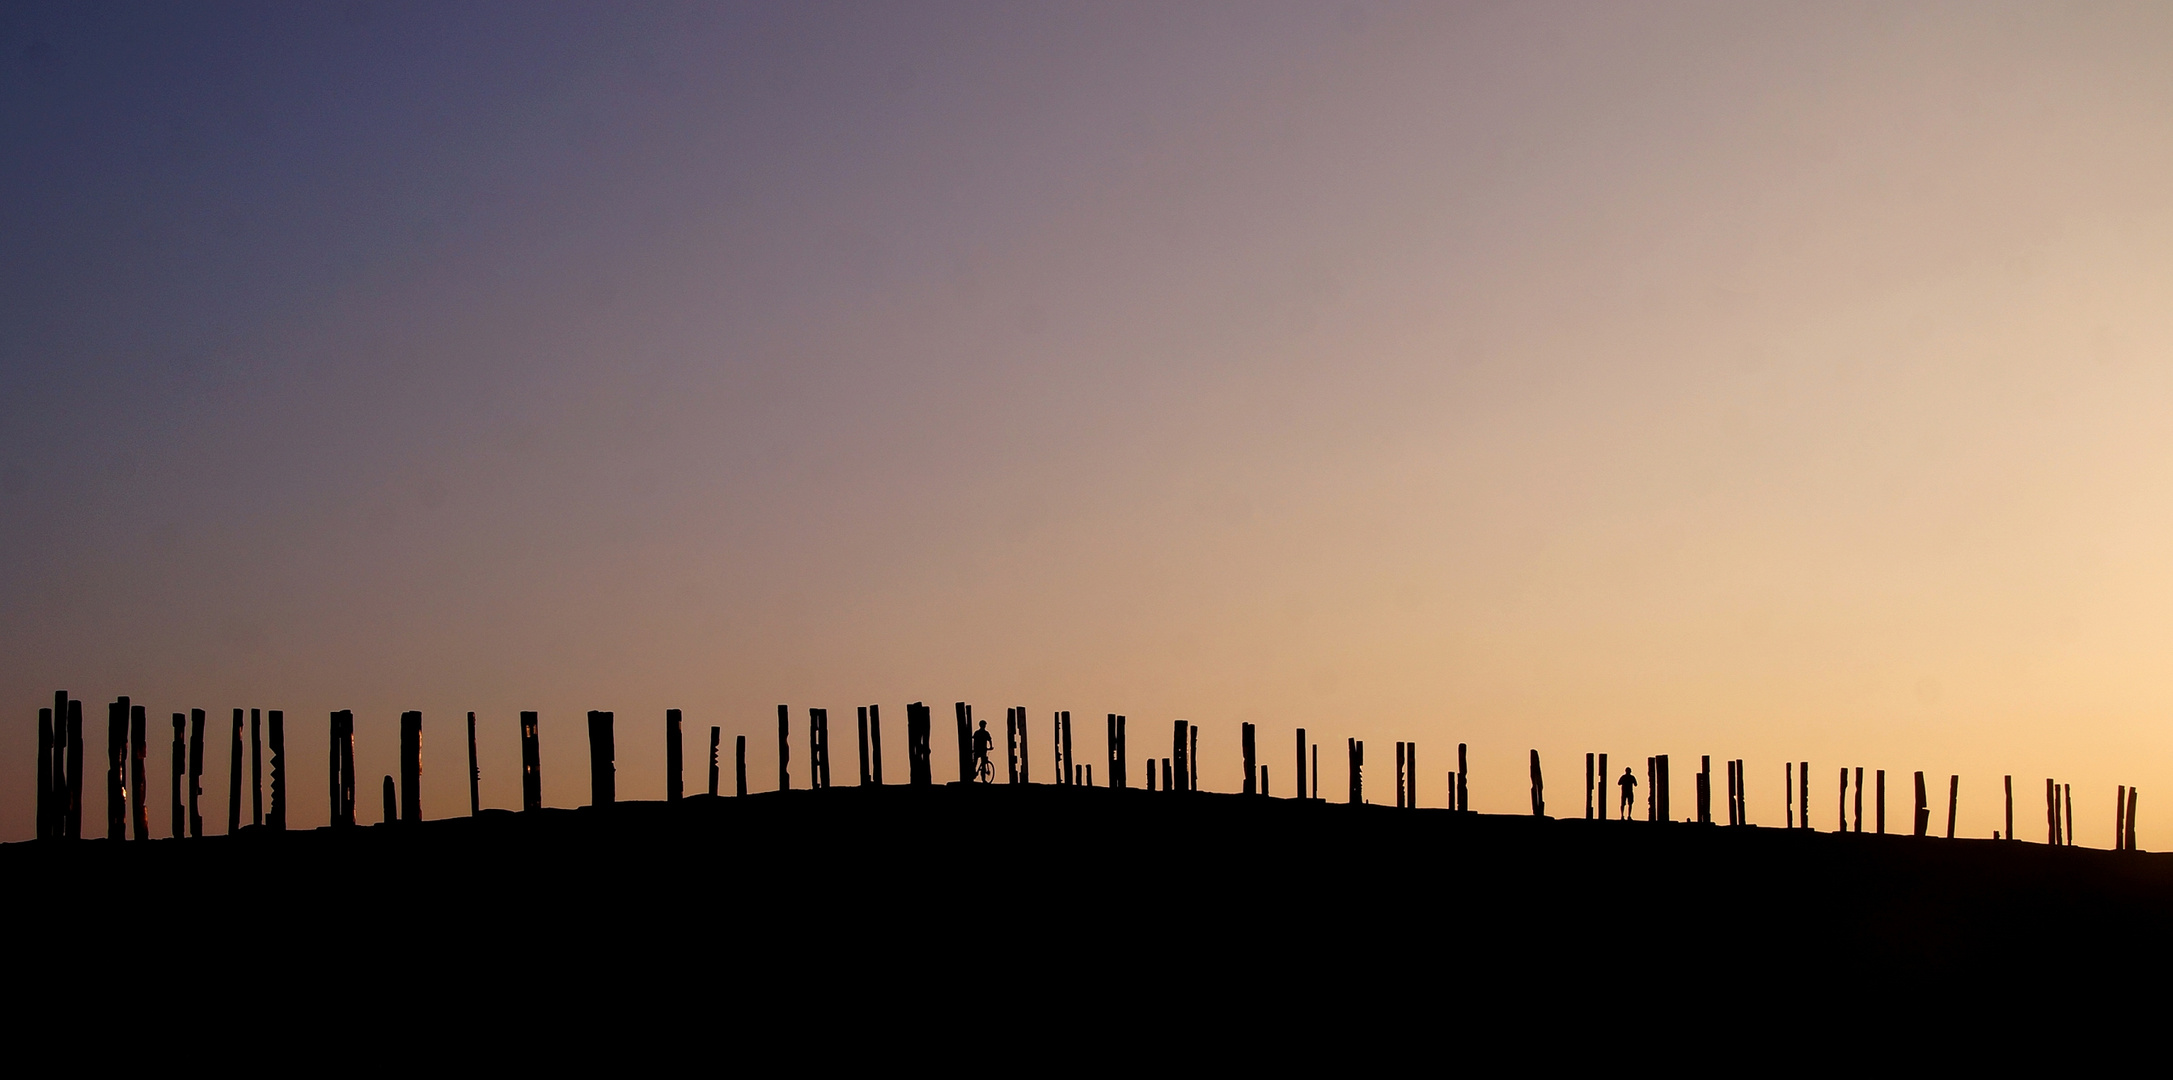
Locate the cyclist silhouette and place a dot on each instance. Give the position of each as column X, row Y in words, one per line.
column 983, row 769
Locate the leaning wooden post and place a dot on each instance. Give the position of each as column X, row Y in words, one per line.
column 180, row 755
column 603, row 761
column 1954, row 798
column 1071, row 764
column 864, row 778
column 1301, row 763
column 139, row 760
column 716, row 735
column 1011, row 745
column 784, row 748
column 276, row 819
column 2131, row 820
column 475, row 774
column 116, row 753
column 531, row 763
column 674, row 758
column 256, row 767
column 875, row 746
column 1245, row 747
column 233, row 781
column 1923, row 808
column 740, row 766
column 1539, row 789
column 196, row 772
column 411, row 766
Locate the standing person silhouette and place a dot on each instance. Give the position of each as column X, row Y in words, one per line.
column 983, row 770
column 1629, row 792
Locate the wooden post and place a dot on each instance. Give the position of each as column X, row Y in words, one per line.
column 875, row 746
column 348, row 781
column 1589, row 761
column 1358, row 772
column 1064, row 722
column 256, row 767
column 2131, row 820
column 1301, row 763
column 116, row 754
column 2052, row 816
column 392, row 809
column 233, row 780
column 75, row 769
column 1803, row 793
column 1245, row 747
column 411, row 766
column 716, row 739
column 1192, row 757
column 2067, row 813
column 1463, row 778
column 1841, row 805
column 1788, row 790
column 1601, row 770
column 196, row 773
column 1652, row 789
column 277, row 818
column 864, row 778
column 1735, row 797
column 531, row 763
column 1119, row 777
column 339, row 773
column 180, row 754
column 818, row 749
column 1923, row 808
column 475, row 774
column 45, row 772
column 1177, row 755
column 1860, row 801
column 1666, row 790
column 1316, row 772
column 964, row 714
column 2120, row 818
column 1168, row 776
column 917, row 749
column 1539, row 789
column 674, row 758
column 1263, row 781
column 784, row 748
column 740, row 766
column 1954, row 798
column 1399, row 776
column 2009, row 782
column 1705, row 789
column 603, row 761
column 1011, row 745
column 139, row 760
column 1410, row 756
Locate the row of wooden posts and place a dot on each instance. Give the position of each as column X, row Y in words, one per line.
column 60, row 770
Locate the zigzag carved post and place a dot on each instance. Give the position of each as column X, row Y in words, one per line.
column 276, row 819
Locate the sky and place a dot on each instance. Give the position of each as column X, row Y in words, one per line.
column 1784, row 382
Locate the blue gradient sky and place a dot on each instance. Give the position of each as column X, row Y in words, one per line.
column 1775, row 382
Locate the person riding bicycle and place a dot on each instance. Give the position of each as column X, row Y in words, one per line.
column 983, row 769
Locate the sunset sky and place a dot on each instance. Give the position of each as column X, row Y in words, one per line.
column 1778, row 382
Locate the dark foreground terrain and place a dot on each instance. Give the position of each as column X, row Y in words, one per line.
column 1062, row 922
